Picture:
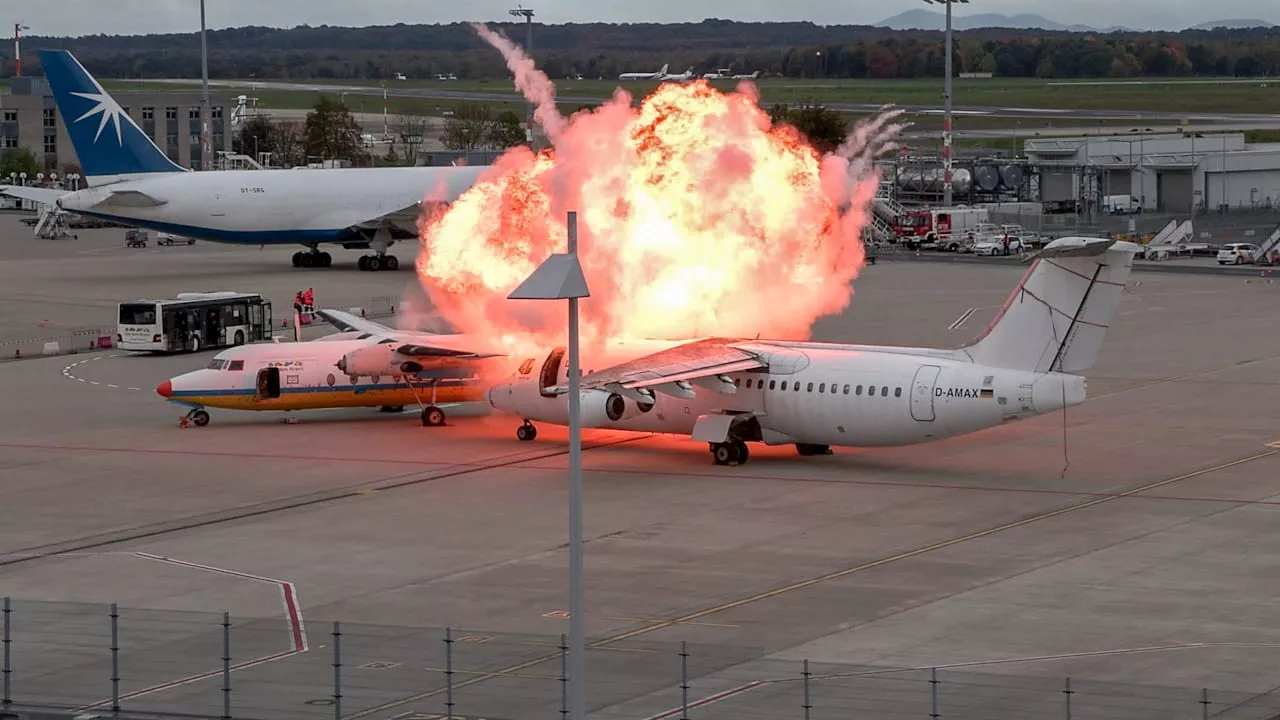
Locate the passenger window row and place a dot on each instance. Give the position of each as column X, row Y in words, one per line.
column 822, row 388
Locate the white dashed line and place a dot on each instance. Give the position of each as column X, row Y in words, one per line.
column 66, row 372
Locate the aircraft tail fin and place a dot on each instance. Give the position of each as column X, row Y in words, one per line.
column 107, row 141
column 663, row 71
column 1057, row 317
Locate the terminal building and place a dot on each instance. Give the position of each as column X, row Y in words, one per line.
column 29, row 119
column 1177, row 173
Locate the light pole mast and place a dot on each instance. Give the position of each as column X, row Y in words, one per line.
column 527, row 14
column 206, row 144
column 946, row 107
column 17, row 48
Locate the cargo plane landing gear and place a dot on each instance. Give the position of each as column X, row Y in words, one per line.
column 312, row 258
column 733, row 452
column 378, row 262
column 526, row 432
column 432, row 415
column 196, row 417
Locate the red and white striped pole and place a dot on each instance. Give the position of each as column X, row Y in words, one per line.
column 17, row 48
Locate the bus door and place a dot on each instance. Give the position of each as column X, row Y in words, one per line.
column 215, row 335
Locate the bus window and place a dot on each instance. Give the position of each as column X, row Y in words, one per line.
column 137, row 314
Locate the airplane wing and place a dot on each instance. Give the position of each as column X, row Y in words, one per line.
column 676, row 370
column 346, row 322
column 34, row 194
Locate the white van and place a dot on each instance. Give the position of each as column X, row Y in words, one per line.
column 1120, row 204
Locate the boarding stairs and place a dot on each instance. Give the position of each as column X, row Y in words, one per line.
column 52, row 224
column 1174, row 239
column 884, row 213
column 1262, row 255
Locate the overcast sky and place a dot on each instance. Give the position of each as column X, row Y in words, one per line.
column 82, row 17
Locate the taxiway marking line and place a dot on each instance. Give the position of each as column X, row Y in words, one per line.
column 652, row 620
column 293, row 615
column 722, row 695
column 964, row 317
column 817, row 581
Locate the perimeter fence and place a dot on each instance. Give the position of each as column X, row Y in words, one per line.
column 85, row 660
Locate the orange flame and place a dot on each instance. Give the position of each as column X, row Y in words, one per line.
column 696, row 216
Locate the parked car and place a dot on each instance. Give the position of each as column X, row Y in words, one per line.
column 1237, row 253
column 996, row 246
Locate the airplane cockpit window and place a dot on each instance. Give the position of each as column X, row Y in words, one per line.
column 236, row 365
column 216, row 364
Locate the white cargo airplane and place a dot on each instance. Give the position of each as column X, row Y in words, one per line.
column 645, row 76
column 681, row 77
column 728, row 392
column 365, row 364
column 133, row 183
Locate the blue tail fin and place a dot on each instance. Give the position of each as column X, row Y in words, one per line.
column 107, row 141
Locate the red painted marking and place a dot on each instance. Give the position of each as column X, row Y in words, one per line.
column 297, row 631
column 221, row 454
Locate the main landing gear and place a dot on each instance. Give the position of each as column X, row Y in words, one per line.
column 432, row 415
column 196, row 417
column 526, row 432
column 733, row 452
column 812, row 450
column 313, row 258
column 375, row 263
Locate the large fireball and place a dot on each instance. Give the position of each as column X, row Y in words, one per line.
column 696, row 216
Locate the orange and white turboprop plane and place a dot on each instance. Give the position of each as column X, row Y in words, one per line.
column 365, row 364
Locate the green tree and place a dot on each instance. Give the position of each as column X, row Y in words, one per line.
column 507, row 130
column 467, row 128
column 255, row 136
column 825, row 128
column 331, row 132
column 18, row 160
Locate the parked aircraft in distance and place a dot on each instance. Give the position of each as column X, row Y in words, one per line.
column 681, row 77
column 365, row 364
column 133, row 183
column 728, row 392
column 645, row 76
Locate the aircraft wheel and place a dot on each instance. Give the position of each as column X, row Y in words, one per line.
column 393, row 263
column 325, row 259
column 432, row 416
column 526, row 432
column 363, row 262
column 741, row 453
column 723, row 453
column 200, row 418
column 297, row 259
column 374, row 263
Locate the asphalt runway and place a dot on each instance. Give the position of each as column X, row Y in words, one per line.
column 1127, row 543
column 574, row 100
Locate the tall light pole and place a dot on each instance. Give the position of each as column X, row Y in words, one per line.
column 17, row 48
column 206, row 145
column 946, row 108
column 527, row 14
column 560, row 277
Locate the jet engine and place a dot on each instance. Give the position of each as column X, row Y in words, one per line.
column 600, row 408
column 377, row 361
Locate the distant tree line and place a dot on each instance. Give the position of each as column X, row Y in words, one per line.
column 605, row 50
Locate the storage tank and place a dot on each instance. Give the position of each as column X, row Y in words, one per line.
column 987, row 177
column 1011, row 177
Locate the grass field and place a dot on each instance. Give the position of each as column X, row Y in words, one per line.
column 1226, row 95
column 1190, row 96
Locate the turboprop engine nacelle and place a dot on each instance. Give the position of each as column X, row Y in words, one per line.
column 377, row 361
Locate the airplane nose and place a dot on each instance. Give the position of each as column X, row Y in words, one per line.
column 165, row 389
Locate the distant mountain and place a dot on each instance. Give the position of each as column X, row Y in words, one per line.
column 921, row 19
column 1233, row 24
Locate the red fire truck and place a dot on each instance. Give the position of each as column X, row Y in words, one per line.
column 949, row 228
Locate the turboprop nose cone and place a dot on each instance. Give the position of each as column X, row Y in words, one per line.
column 165, row 389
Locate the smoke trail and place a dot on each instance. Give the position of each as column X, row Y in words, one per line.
column 534, row 84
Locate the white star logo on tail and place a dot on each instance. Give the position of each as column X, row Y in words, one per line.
column 107, row 106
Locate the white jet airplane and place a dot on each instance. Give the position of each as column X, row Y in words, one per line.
column 645, row 76
column 365, row 364
column 133, row 183
column 728, row 392
column 685, row 76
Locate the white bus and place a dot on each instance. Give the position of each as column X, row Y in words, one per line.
column 194, row 321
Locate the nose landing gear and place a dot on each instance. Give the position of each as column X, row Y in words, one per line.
column 526, row 432
column 196, row 417
column 733, row 452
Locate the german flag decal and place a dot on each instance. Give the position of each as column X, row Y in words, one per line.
column 986, row 393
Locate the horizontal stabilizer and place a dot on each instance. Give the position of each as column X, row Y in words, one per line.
column 34, row 194
column 1075, row 247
